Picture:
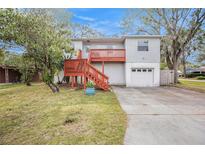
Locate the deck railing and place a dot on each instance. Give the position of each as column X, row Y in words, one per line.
column 96, row 73
column 74, row 67
column 115, row 55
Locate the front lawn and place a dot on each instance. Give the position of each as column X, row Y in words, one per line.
column 34, row 115
column 192, row 85
column 4, row 86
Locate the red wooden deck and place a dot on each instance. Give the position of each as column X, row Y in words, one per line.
column 82, row 67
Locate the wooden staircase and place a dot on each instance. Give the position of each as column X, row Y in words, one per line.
column 93, row 74
column 82, row 67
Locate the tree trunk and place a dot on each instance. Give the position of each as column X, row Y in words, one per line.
column 175, row 68
column 58, row 78
column 184, row 64
column 56, row 87
column 53, row 87
column 169, row 61
column 173, row 65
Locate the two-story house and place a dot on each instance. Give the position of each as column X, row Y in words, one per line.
column 133, row 61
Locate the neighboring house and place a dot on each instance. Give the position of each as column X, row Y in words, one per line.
column 9, row 74
column 200, row 70
column 133, row 61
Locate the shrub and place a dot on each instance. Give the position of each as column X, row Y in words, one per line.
column 27, row 69
column 89, row 84
column 163, row 66
column 47, row 76
column 200, row 78
column 192, row 75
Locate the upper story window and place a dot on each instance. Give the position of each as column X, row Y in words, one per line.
column 142, row 46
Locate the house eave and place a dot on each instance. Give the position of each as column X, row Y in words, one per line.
column 142, row 36
column 114, row 39
column 100, row 40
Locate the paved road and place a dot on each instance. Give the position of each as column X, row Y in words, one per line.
column 163, row 115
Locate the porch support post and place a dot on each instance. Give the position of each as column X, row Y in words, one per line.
column 85, row 81
column 6, row 75
column 72, row 84
column 76, row 81
column 81, row 80
column 103, row 67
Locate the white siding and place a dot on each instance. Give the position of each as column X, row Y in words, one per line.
column 135, row 56
column 142, row 59
column 105, row 46
column 115, row 72
column 78, row 45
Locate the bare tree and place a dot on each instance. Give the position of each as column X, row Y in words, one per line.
column 180, row 27
column 80, row 31
column 201, row 50
column 196, row 45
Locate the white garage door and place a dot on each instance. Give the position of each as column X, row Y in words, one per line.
column 142, row 77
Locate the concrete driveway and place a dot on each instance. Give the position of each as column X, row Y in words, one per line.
column 163, row 115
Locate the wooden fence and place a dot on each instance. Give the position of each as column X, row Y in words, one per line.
column 166, row 77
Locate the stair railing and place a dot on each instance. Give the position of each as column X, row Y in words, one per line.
column 97, row 74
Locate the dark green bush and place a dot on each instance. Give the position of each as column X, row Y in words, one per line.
column 200, row 78
column 192, row 75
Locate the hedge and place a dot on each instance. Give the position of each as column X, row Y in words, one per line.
column 192, row 75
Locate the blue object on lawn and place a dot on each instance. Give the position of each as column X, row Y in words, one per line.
column 90, row 91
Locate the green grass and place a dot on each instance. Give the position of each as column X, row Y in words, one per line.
column 192, row 85
column 4, row 86
column 34, row 115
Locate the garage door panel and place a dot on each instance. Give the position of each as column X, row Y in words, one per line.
column 142, row 77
